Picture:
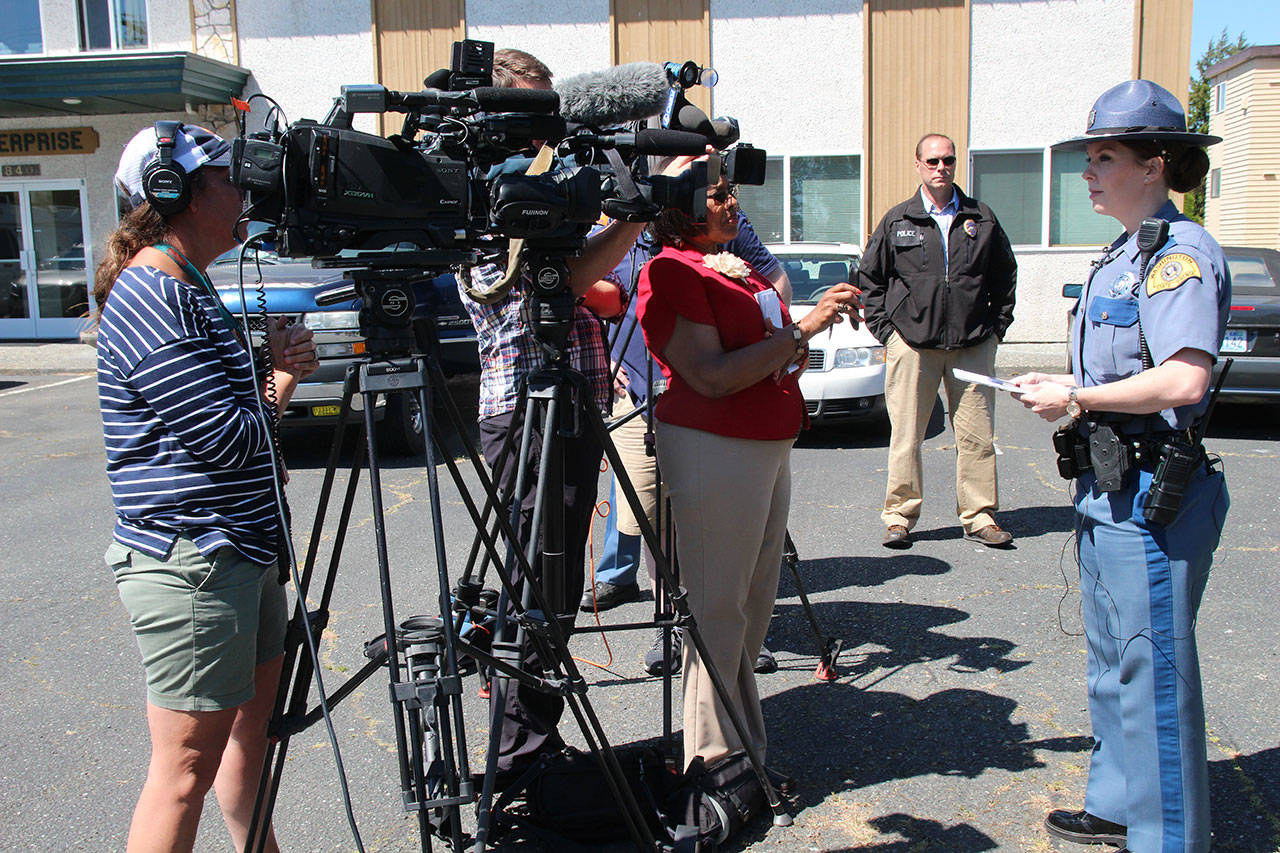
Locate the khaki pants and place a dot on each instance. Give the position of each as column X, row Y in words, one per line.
column 642, row 470
column 911, row 383
column 729, row 500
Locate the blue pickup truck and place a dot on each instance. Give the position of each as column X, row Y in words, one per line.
column 289, row 288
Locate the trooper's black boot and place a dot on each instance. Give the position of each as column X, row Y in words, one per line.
column 1084, row 828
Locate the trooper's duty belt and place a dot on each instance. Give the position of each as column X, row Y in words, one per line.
column 1092, row 445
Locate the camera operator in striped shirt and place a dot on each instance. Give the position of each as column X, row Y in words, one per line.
column 190, row 467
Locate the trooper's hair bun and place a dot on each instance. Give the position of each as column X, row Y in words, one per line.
column 1184, row 165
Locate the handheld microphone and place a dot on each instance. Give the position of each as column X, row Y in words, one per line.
column 613, row 96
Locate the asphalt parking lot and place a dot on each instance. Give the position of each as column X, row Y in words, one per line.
column 959, row 718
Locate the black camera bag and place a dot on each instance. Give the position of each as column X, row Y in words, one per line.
column 713, row 803
column 568, row 796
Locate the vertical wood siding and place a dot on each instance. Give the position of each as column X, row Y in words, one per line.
column 663, row 31
column 412, row 39
column 917, row 82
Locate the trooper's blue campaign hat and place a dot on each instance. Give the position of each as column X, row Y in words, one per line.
column 1137, row 110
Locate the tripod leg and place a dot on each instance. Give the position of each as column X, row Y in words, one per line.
column 503, row 648
column 408, row 757
column 828, row 647
column 296, row 669
column 448, row 709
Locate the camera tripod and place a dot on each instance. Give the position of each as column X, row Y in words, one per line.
column 426, row 691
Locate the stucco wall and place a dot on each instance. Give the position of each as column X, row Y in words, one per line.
column 1040, row 313
column 793, row 81
column 1035, row 75
column 302, row 51
column 569, row 37
column 1032, row 83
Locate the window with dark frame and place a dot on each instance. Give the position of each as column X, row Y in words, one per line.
column 813, row 198
column 112, row 24
column 1012, row 185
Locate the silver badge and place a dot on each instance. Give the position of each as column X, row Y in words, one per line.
column 1123, row 286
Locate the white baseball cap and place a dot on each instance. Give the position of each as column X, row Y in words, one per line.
column 193, row 147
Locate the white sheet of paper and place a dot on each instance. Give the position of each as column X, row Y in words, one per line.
column 982, row 379
column 771, row 310
column 770, row 306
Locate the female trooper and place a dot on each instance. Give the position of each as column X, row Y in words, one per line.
column 1143, row 341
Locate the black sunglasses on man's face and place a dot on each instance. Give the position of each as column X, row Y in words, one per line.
column 932, row 162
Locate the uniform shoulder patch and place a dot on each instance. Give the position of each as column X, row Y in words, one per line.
column 1169, row 272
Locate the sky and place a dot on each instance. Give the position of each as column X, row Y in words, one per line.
column 1259, row 20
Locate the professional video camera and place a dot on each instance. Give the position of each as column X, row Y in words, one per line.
column 327, row 187
column 436, row 194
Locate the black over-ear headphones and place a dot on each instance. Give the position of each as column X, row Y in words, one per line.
column 165, row 184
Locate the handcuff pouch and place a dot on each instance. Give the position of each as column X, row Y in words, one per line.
column 1073, row 451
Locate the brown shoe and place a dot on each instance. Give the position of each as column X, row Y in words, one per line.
column 897, row 537
column 992, row 536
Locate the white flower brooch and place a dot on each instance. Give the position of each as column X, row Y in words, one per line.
column 728, row 264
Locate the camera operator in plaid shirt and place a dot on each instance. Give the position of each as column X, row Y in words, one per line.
column 508, row 353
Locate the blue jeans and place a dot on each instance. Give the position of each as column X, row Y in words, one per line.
column 620, row 555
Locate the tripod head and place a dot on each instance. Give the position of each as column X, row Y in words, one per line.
column 550, row 305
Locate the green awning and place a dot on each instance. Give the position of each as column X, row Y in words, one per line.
column 114, row 83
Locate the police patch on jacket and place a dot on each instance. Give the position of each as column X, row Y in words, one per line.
column 971, row 228
column 1170, row 272
column 906, row 236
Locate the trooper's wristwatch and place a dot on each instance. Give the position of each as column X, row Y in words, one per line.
column 797, row 336
column 1073, row 405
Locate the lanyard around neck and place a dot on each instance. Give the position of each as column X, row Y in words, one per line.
column 203, row 281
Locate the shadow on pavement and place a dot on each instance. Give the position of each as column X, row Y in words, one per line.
column 835, row 737
column 828, row 573
column 1244, row 797
column 898, row 634
column 920, row 834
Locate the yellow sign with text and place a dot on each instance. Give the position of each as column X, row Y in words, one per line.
column 49, row 140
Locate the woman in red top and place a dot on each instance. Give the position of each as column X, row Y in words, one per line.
column 725, row 427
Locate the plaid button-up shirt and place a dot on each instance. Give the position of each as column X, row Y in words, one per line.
column 509, row 351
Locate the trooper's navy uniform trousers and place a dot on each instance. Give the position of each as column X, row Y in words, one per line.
column 1142, row 582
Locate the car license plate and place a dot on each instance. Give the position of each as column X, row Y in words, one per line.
column 1237, row 340
column 325, row 411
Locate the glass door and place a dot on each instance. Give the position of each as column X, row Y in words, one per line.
column 45, row 285
column 15, row 309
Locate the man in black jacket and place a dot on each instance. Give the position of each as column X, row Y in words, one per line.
column 938, row 278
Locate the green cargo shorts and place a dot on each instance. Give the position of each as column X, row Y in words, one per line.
column 202, row 626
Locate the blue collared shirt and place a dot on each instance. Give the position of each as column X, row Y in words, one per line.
column 1182, row 302
column 943, row 217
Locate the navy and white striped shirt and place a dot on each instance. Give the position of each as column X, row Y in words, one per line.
column 187, row 449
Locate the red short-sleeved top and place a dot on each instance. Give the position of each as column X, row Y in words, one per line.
column 676, row 283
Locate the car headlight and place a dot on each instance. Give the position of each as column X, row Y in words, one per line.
column 332, row 320
column 858, row 357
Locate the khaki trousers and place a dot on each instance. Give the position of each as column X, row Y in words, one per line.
column 642, row 470
column 729, row 500
column 911, row 383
